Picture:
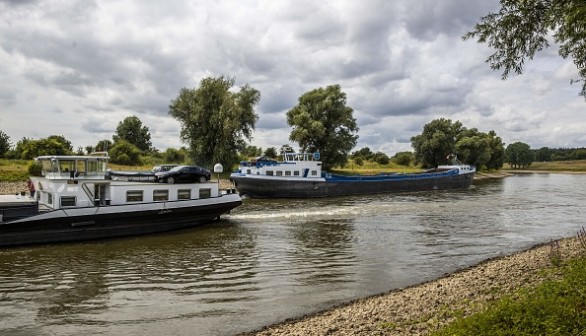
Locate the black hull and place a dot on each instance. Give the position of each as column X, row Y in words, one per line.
column 57, row 226
column 283, row 188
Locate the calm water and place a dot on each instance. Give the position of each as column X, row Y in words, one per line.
column 270, row 260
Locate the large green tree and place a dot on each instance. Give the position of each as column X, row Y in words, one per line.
column 5, row 143
column 519, row 155
column 28, row 149
column 436, row 142
column 131, row 130
column 522, row 28
column 322, row 122
column 125, row 153
column 216, row 122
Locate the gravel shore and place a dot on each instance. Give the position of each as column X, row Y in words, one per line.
column 423, row 308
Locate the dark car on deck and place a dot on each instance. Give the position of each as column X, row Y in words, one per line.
column 184, row 174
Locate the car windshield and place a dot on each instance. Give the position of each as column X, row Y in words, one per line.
column 178, row 168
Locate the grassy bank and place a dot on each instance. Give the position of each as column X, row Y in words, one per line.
column 558, row 166
column 555, row 307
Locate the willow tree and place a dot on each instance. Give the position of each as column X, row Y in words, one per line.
column 522, row 28
column 216, row 122
column 322, row 122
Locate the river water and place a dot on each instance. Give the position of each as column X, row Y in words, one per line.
column 270, row 260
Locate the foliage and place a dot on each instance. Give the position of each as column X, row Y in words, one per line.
column 403, row 158
column 270, row 152
column 553, row 308
column 131, row 130
column 521, row 29
column 28, row 149
column 215, row 121
column 125, row 153
column 35, row 169
column 172, row 155
column 359, row 161
column 381, row 158
column 437, row 141
column 5, row 143
column 103, row 145
column 365, row 153
column 519, row 155
column 442, row 137
column 251, row 151
column 322, row 122
column 571, row 165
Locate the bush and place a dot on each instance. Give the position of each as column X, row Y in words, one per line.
column 34, row 169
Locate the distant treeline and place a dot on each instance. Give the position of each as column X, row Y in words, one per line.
column 559, row 154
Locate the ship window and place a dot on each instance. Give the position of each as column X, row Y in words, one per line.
column 161, row 195
column 287, row 173
column 279, row 173
column 269, row 173
column 205, row 193
column 134, row 196
column 248, row 171
column 184, row 194
column 68, row 201
column 296, row 173
column 50, row 198
column 314, row 172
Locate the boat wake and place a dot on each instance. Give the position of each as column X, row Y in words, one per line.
column 292, row 214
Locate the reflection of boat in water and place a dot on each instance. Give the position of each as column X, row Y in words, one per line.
column 300, row 175
column 77, row 199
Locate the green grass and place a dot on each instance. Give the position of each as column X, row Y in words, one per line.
column 571, row 166
column 556, row 307
column 14, row 170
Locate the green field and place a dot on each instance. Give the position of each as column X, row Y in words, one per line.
column 573, row 166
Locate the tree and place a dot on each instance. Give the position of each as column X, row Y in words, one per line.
column 89, row 149
column 132, row 130
column 322, row 122
column 381, row 158
column 5, row 144
column 173, row 155
column 437, row 141
column 215, row 121
column 125, row 153
column 521, row 29
column 365, row 153
column 28, row 149
column 543, row 154
column 270, row 152
column 497, row 151
column 251, row 151
column 519, row 155
column 403, row 158
column 103, row 145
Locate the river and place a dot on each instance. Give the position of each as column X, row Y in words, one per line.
column 270, row 260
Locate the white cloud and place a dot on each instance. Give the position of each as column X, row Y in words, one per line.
column 77, row 68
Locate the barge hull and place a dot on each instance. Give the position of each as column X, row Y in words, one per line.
column 78, row 225
column 287, row 188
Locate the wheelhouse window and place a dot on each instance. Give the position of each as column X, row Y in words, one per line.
column 184, row 194
column 68, row 201
column 134, row 196
column 205, row 193
column 49, row 198
column 161, row 195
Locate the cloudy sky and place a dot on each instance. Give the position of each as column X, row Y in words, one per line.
column 78, row 67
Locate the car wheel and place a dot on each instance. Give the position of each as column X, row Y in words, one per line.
column 202, row 179
column 170, row 180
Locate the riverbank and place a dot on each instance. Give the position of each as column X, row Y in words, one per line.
column 424, row 308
